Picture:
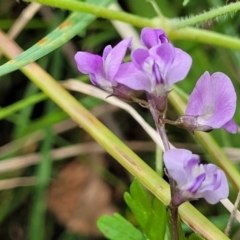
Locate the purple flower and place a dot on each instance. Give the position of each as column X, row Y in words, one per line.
column 152, row 37
column 157, row 68
column 194, row 180
column 103, row 70
column 212, row 104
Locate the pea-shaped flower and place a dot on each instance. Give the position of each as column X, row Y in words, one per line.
column 103, row 71
column 194, row 180
column 151, row 37
column 211, row 105
column 159, row 66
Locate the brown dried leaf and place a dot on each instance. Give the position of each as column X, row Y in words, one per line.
column 79, row 197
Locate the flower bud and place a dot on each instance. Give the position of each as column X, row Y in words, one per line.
column 190, row 123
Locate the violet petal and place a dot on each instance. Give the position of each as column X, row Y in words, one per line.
column 179, row 68
column 164, row 56
column 200, row 96
column 106, row 51
column 197, row 183
column 115, row 58
column 220, row 193
column 213, row 100
column 152, row 37
column 89, row 63
column 231, row 126
column 139, row 57
column 133, row 78
column 175, row 160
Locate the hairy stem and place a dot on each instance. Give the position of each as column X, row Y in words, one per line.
column 174, row 29
column 97, row 11
column 214, row 13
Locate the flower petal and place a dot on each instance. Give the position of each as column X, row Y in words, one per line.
column 152, row 37
column 115, row 58
column 225, row 99
column 133, row 78
column 231, row 127
column 106, row 51
column 196, row 184
column 92, row 64
column 220, row 193
column 200, row 96
column 164, row 56
column 179, row 68
column 213, row 100
column 89, row 63
column 174, row 160
column 203, row 181
column 139, row 57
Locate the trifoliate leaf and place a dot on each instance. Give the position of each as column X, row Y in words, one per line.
column 139, row 203
column 118, row 228
column 151, row 215
column 156, row 226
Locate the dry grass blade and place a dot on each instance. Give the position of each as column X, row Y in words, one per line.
column 17, row 182
column 23, row 19
column 233, row 154
column 39, row 135
column 78, row 86
column 27, row 160
column 230, row 207
column 32, row 138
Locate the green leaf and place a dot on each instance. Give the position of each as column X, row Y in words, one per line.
column 68, row 29
column 195, row 236
column 139, row 203
column 156, row 227
column 118, row 228
column 151, row 216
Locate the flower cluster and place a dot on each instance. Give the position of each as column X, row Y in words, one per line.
column 154, row 68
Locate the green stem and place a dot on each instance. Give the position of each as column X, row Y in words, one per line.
column 197, row 35
column 214, row 13
column 97, row 11
column 6, row 111
column 174, row 221
column 205, row 36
